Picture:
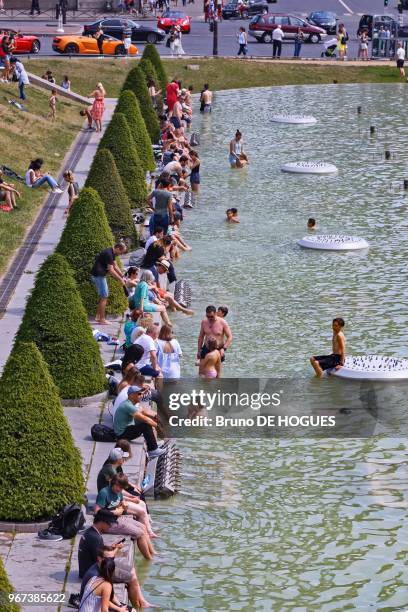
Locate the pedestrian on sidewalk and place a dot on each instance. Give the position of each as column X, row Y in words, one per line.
column 401, row 59
column 105, row 264
column 342, row 40
column 21, row 75
column 299, row 40
column 98, row 106
column 277, row 37
column 35, row 6
column 99, row 35
column 242, row 41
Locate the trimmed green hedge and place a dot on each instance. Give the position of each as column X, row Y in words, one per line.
column 105, row 179
column 129, row 106
column 6, row 587
column 118, row 139
column 55, row 319
column 86, row 234
column 136, row 82
column 150, row 53
column 40, row 466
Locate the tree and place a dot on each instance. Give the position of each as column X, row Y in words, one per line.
column 56, row 321
column 105, row 179
column 86, row 234
column 41, row 468
column 136, row 82
column 6, row 587
column 118, row 139
column 150, row 52
column 129, row 106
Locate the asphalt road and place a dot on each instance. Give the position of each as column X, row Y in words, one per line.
column 200, row 41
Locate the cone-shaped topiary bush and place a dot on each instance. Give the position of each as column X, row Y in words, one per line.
column 129, row 106
column 118, row 139
column 86, row 234
column 150, row 73
column 150, row 52
column 105, row 179
column 41, row 468
column 136, row 82
column 6, row 587
column 55, row 319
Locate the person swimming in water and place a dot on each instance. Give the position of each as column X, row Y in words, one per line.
column 222, row 311
column 232, row 215
column 311, row 224
column 237, row 157
column 210, row 365
column 336, row 360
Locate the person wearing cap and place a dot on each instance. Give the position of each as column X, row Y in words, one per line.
column 111, row 498
column 91, row 548
column 130, row 420
column 110, row 469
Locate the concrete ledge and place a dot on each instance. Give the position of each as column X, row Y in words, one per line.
column 85, row 401
column 17, row 527
column 36, row 80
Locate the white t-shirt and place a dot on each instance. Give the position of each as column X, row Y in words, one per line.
column 277, row 34
column 401, row 53
column 150, row 241
column 173, row 167
column 242, row 38
column 148, row 344
column 169, row 362
column 122, row 397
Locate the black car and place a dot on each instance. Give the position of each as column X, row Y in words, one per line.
column 117, row 27
column 244, row 10
column 324, row 19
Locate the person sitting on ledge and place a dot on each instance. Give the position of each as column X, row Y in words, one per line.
column 111, row 498
column 336, row 360
column 92, row 550
column 131, row 421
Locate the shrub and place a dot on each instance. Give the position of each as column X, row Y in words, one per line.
column 55, row 320
column 86, row 234
column 150, row 52
column 6, row 587
column 136, row 82
column 105, row 179
column 129, row 106
column 41, row 468
column 118, row 139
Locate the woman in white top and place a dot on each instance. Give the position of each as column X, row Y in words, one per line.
column 237, row 157
column 178, row 48
column 242, row 41
column 35, row 178
column 169, row 353
column 99, row 594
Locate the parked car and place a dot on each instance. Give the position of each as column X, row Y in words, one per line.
column 244, row 9
column 173, row 18
column 87, row 45
column 117, row 27
column 24, row 43
column 325, row 20
column 262, row 26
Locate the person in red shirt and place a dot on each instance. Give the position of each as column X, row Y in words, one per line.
column 172, row 94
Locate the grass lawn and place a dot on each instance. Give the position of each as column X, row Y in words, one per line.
column 220, row 73
column 25, row 136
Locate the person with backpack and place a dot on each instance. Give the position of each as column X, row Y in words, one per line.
column 99, row 592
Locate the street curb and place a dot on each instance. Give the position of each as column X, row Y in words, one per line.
column 8, row 527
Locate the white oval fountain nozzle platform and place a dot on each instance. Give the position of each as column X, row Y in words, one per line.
column 333, row 242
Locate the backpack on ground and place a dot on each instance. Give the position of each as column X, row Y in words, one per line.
column 69, row 520
column 102, row 433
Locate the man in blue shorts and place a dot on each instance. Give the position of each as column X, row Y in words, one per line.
column 105, row 264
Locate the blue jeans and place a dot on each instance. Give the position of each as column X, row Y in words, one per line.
column 101, row 285
column 147, row 370
column 298, row 46
column 22, row 92
column 45, row 179
column 162, row 220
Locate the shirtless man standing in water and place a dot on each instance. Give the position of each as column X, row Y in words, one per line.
column 213, row 327
column 336, row 360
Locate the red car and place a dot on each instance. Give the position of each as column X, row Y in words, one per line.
column 174, row 18
column 23, row 43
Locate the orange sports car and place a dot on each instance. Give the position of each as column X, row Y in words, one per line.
column 87, row 45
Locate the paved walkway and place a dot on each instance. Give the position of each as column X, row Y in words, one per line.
column 45, row 244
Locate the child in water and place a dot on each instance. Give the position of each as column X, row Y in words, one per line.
column 232, row 215
column 336, row 360
column 311, row 224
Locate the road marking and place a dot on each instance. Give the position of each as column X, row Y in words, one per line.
column 346, row 7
